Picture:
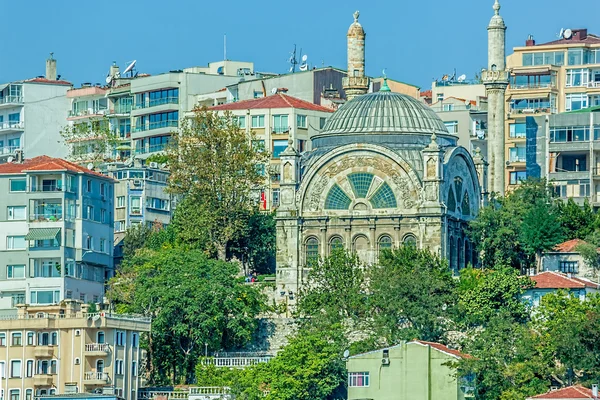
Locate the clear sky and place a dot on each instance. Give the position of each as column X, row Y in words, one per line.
column 415, row 41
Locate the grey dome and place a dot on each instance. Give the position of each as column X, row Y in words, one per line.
column 384, row 113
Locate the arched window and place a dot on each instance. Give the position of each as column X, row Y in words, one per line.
column 385, row 243
column 410, row 240
column 335, row 243
column 312, row 251
column 337, row 199
column 360, row 182
column 100, row 337
column 100, row 366
column 54, row 340
column 451, row 203
column 384, row 197
column 362, row 247
column 466, row 205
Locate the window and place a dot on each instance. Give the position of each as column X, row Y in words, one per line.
column 569, row 266
column 241, row 121
column 2, row 339
column 337, row 199
column 383, row 197
column 103, row 190
column 15, row 271
column 30, row 338
column 410, row 240
column 100, row 337
column 102, row 245
column 136, row 204
column 89, row 242
column 15, row 243
column 336, row 243
column 120, row 338
column 15, row 369
column 17, row 298
column 577, row 77
column 29, row 369
column 258, row 94
column 312, row 250
column 517, row 177
column 258, row 121
column 360, row 182
column 544, row 58
column 29, row 394
column 517, row 154
column 134, row 340
column 301, row 145
column 2, row 375
column 278, row 147
column 16, row 339
column 120, row 201
column 569, row 134
column 518, row 130
column 83, row 297
column 452, row 126
column 440, row 97
column 275, row 196
column 576, row 101
column 134, row 368
column 103, row 215
column 448, row 107
column 322, row 122
column 301, row 121
column 14, row 393
column 18, row 185
column 280, row 124
column 53, row 367
column 157, row 204
column 119, row 226
column 385, row 243
column 358, row 379
column 16, row 213
column 118, row 367
column 45, row 296
column 88, row 185
column 89, row 212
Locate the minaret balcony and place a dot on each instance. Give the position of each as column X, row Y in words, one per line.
column 494, row 76
column 355, row 81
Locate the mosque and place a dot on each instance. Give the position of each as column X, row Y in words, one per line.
column 384, row 171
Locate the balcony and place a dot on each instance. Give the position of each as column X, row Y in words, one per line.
column 11, row 101
column 9, row 150
column 44, row 351
column 564, row 175
column 12, row 126
column 96, row 378
column 157, row 102
column 237, row 360
column 532, row 86
column 89, row 113
column 121, row 109
column 97, row 349
column 279, row 130
column 153, row 148
column 43, row 380
column 533, row 110
column 47, row 216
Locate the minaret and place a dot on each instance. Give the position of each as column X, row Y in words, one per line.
column 356, row 83
column 495, row 79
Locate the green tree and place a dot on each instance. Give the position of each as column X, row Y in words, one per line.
column 589, row 252
column 256, row 246
column 213, row 162
column 483, row 293
column 135, row 238
column 192, row 300
column 411, row 295
column 578, row 222
column 90, row 141
column 540, row 231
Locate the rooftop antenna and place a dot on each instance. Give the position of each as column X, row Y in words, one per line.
column 561, row 33
column 130, row 68
column 293, row 60
column 304, row 65
column 225, row 47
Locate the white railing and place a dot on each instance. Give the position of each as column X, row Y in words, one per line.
column 235, row 362
column 12, row 125
column 185, row 394
column 10, row 149
column 593, row 84
column 97, row 347
column 11, row 99
column 75, row 315
column 96, row 376
column 210, row 390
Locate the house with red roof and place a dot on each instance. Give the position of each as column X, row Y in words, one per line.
column 32, row 114
column 550, row 282
column 565, row 258
column 568, row 393
column 275, row 120
column 416, row 370
column 56, row 232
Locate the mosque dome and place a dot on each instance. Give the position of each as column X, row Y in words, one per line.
column 384, row 112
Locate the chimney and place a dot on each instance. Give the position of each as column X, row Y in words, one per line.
column 51, row 68
column 114, row 69
column 580, row 34
column 530, row 41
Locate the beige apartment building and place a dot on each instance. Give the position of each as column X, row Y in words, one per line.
column 549, row 78
column 274, row 120
column 63, row 349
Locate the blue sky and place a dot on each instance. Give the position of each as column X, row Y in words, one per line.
column 414, row 40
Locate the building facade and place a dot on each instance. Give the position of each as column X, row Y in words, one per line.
column 65, row 350
column 546, row 79
column 275, row 120
column 56, row 233
column 550, row 282
column 32, row 114
column 415, row 370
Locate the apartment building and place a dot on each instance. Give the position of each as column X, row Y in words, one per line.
column 32, row 114
column 56, row 232
column 65, row 350
column 549, row 78
column 274, row 120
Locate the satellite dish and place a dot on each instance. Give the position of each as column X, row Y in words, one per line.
column 129, row 162
column 274, row 90
column 561, row 33
column 130, row 67
column 303, row 67
column 11, row 159
column 346, row 353
column 304, row 58
column 567, row 34
column 108, row 80
column 462, row 78
column 90, row 166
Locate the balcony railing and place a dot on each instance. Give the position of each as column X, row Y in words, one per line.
column 235, row 362
column 11, row 125
column 157, row 102
column 533, row 110
column 221, row 391
column 157, row 125
column 47, row 188
column 96, row 376
column 11, row 100
column 82, row 113
column 151, row 148
column 546, row 85
column 97, row 347
column 46, row 216
column 9, row 149
column 593, row 84
column 121, row 109
column 75, row 315
column 281, row 129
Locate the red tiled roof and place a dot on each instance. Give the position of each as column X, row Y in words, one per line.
column 278, row 100
column 45, row 163
column 568, row 246
column 443, row 348
column 44, row 80
column 426, row 93
column 570, row 392
column 555, row 280
column 590, row 39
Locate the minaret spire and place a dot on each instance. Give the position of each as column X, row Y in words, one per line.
column 356, row 83
column 497, row 7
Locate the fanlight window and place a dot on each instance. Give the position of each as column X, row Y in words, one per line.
column 363, row 187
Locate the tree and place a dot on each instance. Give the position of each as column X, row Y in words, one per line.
column 484, row 293
column 589, row 252
column 256, row 246
column 411, row 295
column 540, row 231
column 578, row 222
column 135, row 238
column 213, row 162
column 90, row 142
column 192, row 300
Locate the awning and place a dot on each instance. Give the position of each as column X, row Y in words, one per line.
column 533, row 71
column 123, row 147
column 43, row 234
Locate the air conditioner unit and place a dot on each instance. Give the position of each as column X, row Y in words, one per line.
column 385, row 361
column 77, row 332
column 137, row 182
column 153, row 164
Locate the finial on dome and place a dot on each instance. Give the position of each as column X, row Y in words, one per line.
column 433, row 138
column 385, row 87
column 497, row 7
column 356, row 15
